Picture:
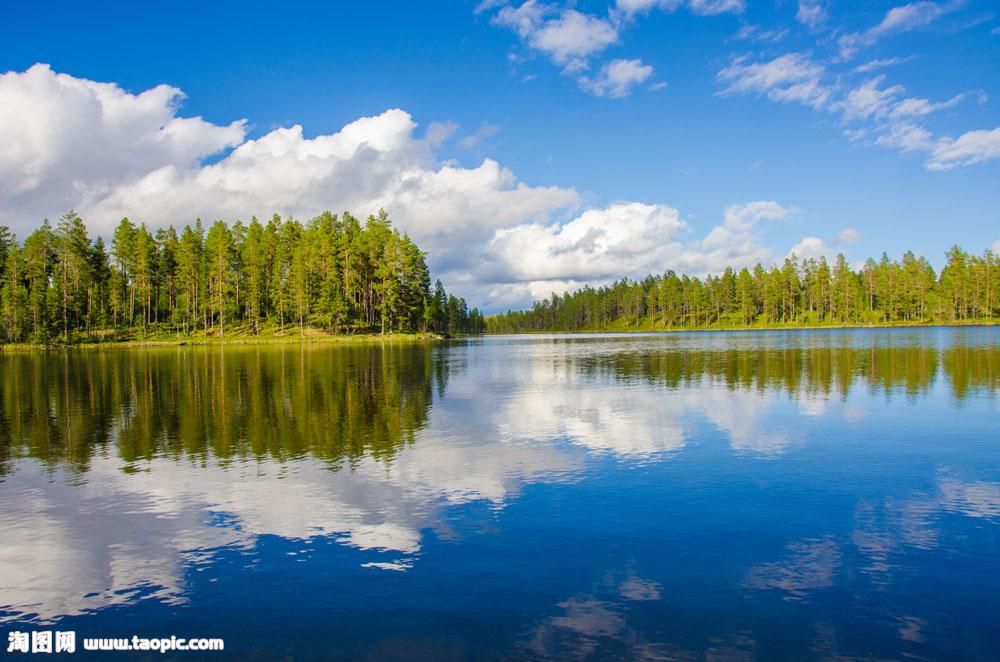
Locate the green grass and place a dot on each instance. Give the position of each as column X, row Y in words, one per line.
column 235, row 335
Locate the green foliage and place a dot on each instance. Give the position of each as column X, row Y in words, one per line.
column 331, row 274
column 798, row 293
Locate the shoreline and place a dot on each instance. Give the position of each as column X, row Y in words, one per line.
column 732, row 329
column 230, row 341
column 241, row 340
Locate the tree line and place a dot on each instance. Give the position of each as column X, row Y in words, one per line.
column 809, row 292
column 332, row 273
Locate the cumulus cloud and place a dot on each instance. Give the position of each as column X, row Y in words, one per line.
column 811, row 13
column 631, row 239
column 69, row 141
column 598, row 244
column 742, row 218
column 567, row 36
column 815, row 248
column 110, row 153
column 574, row 39
column 809, row 248
column 570, row 39
column 617, row 78
column 486, row 232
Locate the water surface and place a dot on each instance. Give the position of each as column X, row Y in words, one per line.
column 751, row 495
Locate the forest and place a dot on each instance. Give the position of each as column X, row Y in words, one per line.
column 809, row 292
column 330, row 275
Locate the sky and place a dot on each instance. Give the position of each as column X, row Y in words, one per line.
column 528, row 147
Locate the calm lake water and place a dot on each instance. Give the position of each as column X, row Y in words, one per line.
column 732, row 495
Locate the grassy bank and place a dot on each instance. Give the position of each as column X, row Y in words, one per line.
column 235, row 336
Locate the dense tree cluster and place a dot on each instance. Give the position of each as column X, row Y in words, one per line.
column 797, row 292
column 331, row 273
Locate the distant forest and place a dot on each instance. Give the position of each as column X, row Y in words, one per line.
column 796, row 293
column 333, row 274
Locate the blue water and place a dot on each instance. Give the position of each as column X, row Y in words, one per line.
column 789, row 495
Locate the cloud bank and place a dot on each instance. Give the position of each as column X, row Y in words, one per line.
column 110, row 153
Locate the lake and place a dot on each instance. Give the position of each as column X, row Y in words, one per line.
column 746, row 495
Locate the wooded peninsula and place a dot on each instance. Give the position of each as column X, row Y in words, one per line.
column 334, row 275
column 330, row 275
column 797, row 293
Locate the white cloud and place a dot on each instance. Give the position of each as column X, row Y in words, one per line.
column 109, row 153
column 751, row 32
column 637, row 6
column 815, row 248
column 968, row 149
column 484, row 230
column 794, row 77
column 68, row 141
column 573, row 39
column 810, row 248
column 811, row 13
column 868, row 99
column 898, row 19
column 438, row 133
column 700, row 7
column 787, row 78
column 487, row 5
column 848, row 236
column 598, row 244
column 567, row 36
column 906, row 137
column 917, row 107
column 483, row 133
column 617, row 78
column 996, row 247
column 624, row 239
column 875, row 65
column 743, row 218
column 713, row 7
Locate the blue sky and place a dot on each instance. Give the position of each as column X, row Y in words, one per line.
column 540, row 145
